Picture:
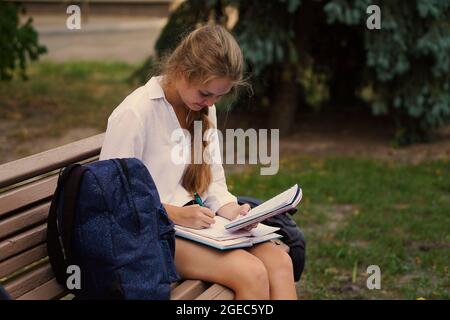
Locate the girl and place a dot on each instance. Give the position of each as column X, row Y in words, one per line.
column 206, row 65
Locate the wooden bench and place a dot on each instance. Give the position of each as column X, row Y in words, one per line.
column 26, row 188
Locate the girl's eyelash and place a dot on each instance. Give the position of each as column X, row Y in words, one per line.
column 208, row 94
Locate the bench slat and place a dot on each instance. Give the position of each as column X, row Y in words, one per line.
column 23, row 220
column 226, row 294
column 49, row 290
column 30, row 193
column 23, row 241
column 216, row 292
column 188, row 290
column 22, row 169
column 22, row 260
column 29, row 281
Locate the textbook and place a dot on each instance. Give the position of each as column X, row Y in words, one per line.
column 218, row 237
column 281, row 203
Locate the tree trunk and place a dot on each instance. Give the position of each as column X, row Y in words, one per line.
column 284, row 103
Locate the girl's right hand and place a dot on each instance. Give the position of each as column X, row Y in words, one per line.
column 195, row 216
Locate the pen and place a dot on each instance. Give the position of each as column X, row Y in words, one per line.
column 198, row 199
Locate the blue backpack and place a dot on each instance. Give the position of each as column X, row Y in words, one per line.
column 113, row 227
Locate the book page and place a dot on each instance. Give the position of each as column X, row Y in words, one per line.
column 267, row 237
column 262, row 230
column 272, row 204
column 217, row 231
column 217, row 243
column 294, row 196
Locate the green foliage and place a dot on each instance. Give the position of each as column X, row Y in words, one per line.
column 406, row 64
column 266, row 33
column 408, row 61
column 17, row 43
column 347, row 12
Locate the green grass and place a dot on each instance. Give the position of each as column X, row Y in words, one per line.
column 60, row 96
column 357, row 213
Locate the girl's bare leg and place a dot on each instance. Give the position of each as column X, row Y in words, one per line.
column 238, row 269
column 279, row 268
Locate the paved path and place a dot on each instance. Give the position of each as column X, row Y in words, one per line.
column 107, row 38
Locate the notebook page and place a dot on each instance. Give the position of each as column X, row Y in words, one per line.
column 217, row 243
column 237, row 224
column 217, row 230
column 274, row 203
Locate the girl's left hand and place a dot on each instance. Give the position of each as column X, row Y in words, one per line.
column 244, row 209
column 232, row 211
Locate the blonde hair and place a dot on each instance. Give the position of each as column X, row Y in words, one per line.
column 207, row 53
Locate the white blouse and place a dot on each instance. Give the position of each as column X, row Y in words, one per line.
column 141, row 127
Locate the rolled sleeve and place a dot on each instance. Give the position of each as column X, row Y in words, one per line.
column 124, row 137
column 217, row 194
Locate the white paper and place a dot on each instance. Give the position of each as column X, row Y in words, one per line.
column 217, row 230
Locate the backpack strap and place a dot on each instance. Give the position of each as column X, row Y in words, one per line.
column 68, row 184
column 70, row 197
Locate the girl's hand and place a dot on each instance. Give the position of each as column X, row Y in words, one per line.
column 194, row 216
column 245, row 208
column 232, row 210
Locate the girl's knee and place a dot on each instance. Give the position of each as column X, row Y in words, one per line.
column 281, row 265
column 255, row 272
column 251, row 279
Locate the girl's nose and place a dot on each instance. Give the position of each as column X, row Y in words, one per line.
column 211, row 101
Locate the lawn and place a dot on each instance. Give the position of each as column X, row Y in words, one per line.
column 360, row 212
column 58, row 97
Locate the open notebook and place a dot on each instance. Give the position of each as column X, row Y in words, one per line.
column 224, row 234
column 218, row 237
column 281, row 203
